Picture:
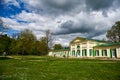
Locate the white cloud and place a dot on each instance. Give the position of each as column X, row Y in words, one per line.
column 38, row 23
column 35, row 21
column 33, row 3
column 100, row 37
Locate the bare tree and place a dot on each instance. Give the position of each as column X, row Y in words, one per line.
column 49, row 40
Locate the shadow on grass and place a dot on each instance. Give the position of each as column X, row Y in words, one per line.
column 5, row 58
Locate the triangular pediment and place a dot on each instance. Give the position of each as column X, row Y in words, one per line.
column 78, row 40
column 84, row 40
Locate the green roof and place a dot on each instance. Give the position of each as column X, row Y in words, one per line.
column 87, row 39
column 109, row 44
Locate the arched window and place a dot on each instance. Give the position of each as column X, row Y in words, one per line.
column 78, row 46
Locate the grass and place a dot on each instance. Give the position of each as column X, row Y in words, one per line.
column 37, row 68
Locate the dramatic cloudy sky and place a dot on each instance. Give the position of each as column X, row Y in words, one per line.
column 66, row 19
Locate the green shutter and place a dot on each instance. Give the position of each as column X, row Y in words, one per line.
column 93, row 52
column 102, row 52
column 82, row 52
column 74, row 53
column 110, row 53
column 115, row 53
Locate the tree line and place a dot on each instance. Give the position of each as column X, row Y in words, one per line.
column 25, row 44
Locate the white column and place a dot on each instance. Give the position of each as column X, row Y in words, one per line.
column 108, row 53
column 100, row 52
column 70, row 50
column 118, row 52
column 81, row 50
column 75, row 50
column 88, row 49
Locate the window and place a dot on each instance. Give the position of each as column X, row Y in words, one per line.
column 73, row 53
column 78, row 46
column 84, row 52
column 78, row 52
column 113, row 53
column 97, row 52
column 90, row 52
column 104, row 53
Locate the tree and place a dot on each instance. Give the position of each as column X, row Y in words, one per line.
column 114, row 33
column 43, row 46
column 5, row 42
column 14, row 47
column 27, row 40
column 57, row 46
column 25, row 44
column 49, row 40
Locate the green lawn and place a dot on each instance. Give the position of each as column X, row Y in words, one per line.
column 42, row 68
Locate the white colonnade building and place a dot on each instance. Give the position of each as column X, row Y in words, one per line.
column 88, row 48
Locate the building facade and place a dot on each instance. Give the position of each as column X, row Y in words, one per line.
column 88, row 48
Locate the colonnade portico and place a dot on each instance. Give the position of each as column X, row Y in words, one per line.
column 76, row 51
column 79, row 50
column 108, row 53
column 83, row 47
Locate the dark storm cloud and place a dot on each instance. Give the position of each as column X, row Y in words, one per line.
column 70, row 27
column 64, row 5
column 55, row 8
column 86, row 27
column 99, row 4
column 102, row 5
column 60, row 7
